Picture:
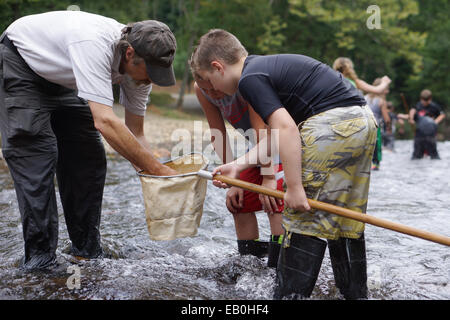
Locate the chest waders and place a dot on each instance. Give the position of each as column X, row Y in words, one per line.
column 46, row 130
column 301, row 258
column 337, row 148
column 425, row 138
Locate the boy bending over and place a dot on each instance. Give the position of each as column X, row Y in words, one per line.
column 326, row 141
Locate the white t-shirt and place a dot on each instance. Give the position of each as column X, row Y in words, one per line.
column 77, row 50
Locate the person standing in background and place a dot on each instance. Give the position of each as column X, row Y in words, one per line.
column 345, row 66
column 377, row 103
column 426, row 116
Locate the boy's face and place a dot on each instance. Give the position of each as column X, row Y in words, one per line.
column 208, row 88
column 220, row 78
column 425, row 102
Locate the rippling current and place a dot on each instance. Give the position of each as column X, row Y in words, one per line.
column 414, row 193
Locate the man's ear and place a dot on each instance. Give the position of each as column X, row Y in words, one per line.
column 217, row 65
column 129, row 54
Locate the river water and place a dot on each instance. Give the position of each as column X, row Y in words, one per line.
column 414, row 193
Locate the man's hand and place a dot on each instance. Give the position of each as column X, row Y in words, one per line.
column 166, row 171
column 124, row 142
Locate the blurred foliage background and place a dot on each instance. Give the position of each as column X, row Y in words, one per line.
column 411, row 47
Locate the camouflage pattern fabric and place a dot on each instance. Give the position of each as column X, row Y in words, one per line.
column 337, row 149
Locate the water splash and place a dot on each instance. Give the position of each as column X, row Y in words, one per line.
column 208, row 266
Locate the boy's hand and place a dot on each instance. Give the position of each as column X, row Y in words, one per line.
column 270, row 204
column 230, row 170
column 295, row 198
column 235, row 199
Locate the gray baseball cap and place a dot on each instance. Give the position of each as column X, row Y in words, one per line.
column 155, row 43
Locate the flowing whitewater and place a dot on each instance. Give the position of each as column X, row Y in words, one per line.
column 414, row 193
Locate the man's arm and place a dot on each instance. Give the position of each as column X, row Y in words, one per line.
column 124, row 142
column 136, row 125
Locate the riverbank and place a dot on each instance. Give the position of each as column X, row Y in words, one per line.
column 159, row 126
column 163, row 127
column 160, row 123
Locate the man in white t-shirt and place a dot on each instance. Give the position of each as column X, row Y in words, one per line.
column 56, row 76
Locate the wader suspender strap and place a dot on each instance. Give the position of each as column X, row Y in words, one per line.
column 8, row 43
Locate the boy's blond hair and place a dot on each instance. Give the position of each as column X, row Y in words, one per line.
column 345, row 66
column 426, row 94
column 216, row 44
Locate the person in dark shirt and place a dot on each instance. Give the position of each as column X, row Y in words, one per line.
column 426, row 116
column 326, row 137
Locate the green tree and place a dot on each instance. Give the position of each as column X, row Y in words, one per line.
column 434, row 21
column 251, row 21
column 373, row 50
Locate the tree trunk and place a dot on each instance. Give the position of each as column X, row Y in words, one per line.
column 193, row 36
column 155, row 9
column 185, row 81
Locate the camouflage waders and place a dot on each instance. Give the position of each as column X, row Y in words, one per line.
column 337, row 149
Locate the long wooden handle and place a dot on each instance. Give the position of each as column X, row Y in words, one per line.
column 322, row 206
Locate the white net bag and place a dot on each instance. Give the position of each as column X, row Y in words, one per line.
column 174, row 204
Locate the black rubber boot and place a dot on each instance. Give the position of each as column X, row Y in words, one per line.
column 254, row 247
column 274, row 250
column 298, row 265
column 348, row 259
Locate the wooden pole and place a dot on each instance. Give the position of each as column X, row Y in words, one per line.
column 322, row 206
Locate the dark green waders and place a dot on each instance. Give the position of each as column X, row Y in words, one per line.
column 274, row 250
column 46, row 130
column 253, row 247
column 262, row 248
column 348, row 260
column 298, row 265
column 301, row 258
